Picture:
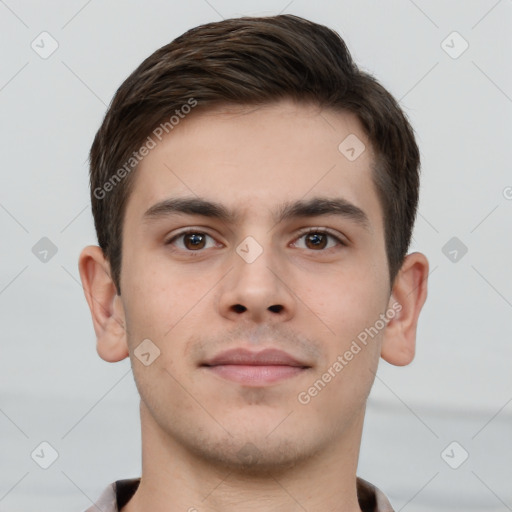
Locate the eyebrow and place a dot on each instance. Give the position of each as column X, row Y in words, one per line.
column 317, row 206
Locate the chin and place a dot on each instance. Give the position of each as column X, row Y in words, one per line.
column 255, row 458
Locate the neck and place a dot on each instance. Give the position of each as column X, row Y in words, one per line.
column 173, row 478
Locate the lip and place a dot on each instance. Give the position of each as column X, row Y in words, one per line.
column 265, row 357
column 250, row 368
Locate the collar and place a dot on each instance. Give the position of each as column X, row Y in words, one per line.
column 119, row 493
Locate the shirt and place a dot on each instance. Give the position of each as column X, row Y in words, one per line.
column 119, row 493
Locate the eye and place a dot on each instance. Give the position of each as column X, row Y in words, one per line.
column 191, row 240
column 318, row 239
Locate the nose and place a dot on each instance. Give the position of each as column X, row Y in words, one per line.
column 257, row 289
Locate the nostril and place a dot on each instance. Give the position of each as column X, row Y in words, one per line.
column 239, row 308
column 276, row 309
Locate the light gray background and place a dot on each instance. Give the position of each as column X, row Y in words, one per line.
column 53, row 385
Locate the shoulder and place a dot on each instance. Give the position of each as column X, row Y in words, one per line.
column 372, row 499
column 115, row 496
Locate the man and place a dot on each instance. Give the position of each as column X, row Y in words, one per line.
column 254, row 195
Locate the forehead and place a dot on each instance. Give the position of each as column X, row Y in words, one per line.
column 253, row 158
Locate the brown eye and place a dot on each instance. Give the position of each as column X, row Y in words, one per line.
column 316, row 240
column 194, row 241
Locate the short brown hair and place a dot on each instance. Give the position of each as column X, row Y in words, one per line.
column 252, row 61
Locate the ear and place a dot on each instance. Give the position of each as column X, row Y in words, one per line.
column 407, row 298
column 106, row 306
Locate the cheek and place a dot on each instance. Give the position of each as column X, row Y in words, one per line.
column 355, row 316
column 344, row 378
column 351, row 306
column 348, row 301
column 158, row 296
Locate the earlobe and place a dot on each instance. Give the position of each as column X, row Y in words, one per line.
column 407, row 298
column 104, row 303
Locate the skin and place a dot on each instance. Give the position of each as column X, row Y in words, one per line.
column 196, row 425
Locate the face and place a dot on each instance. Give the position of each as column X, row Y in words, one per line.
column 277, row 243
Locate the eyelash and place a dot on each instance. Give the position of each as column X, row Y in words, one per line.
column 301, row 234
column 321, row 231
column 184, row 233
